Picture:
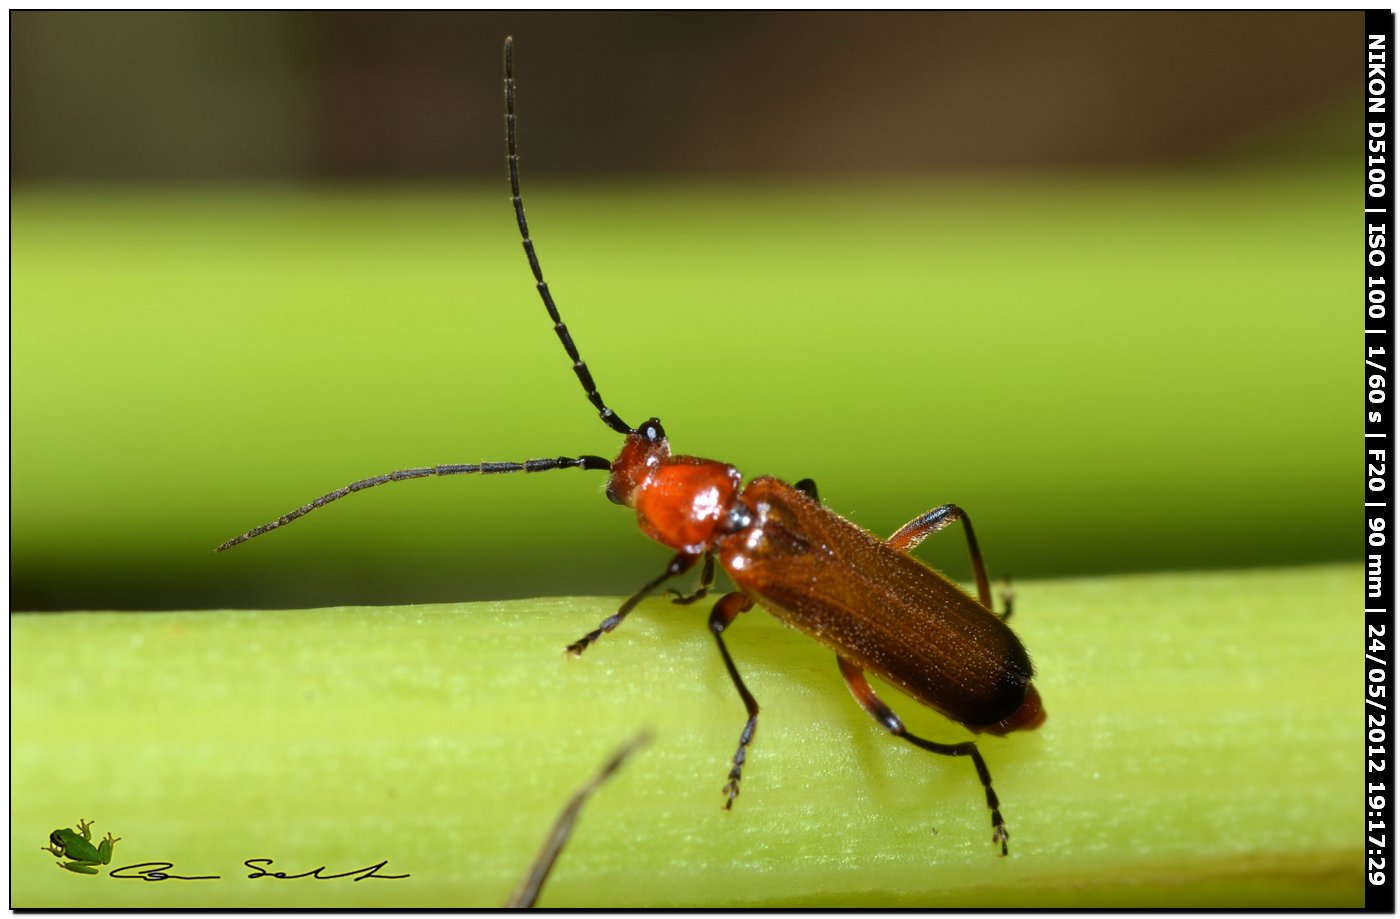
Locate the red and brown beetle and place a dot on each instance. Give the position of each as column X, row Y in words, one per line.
column 881, row 610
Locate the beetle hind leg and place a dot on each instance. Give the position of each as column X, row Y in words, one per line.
column 726, row 609
column 1008, row 598
column 865, row 695
column 907, row 537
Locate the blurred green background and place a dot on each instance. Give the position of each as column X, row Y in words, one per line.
column 1087, row 275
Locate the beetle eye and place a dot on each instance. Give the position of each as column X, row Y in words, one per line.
column 652, row 430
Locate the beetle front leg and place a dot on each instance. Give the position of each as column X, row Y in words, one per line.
column 729, row 606
column 707, row 580
column 679, row 565
column 907, row 537
column 865, row 695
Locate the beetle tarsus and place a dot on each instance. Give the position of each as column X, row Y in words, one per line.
column 681, row 599
column 1008, row 598
column 576, row 649
column 731, row 788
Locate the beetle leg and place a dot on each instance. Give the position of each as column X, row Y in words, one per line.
column 808, row 488
column 726, row 609
column 926, row 524
column 679, row 565
column 707, row 580
column 1008, row 598
column 865, row 695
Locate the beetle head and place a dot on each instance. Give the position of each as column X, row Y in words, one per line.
column 642, row 452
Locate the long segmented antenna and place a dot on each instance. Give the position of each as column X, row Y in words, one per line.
column 609, row 417
column 533, row 465
column 528, row 892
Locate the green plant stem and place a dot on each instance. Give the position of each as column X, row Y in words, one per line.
column 1203, row 747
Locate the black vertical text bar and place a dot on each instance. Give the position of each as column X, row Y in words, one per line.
column 1379, row 357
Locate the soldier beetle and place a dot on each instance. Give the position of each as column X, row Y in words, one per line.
column 881, row 610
